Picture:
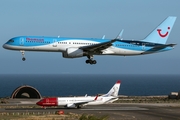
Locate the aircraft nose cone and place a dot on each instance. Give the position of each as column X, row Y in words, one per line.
column 4, row 46
column 38, row 103
column 7, row 46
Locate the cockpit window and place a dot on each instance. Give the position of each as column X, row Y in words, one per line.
column 11, row 41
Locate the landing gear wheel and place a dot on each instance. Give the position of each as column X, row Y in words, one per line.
column 23, row 59
column 23, row 54
column 94, row 62
column 91, row 62
column 87, row 61
column 78, row 107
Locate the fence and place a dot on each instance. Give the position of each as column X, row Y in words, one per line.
column 27, row 113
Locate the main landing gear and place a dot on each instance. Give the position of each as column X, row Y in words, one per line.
column 90, row 60
column 23, row 54
column 78, row 106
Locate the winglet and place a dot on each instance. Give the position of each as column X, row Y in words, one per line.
column 103, row 37
column 118, row 82
column 96, row 97
column 120, row 35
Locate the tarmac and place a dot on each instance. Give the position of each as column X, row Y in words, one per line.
column 116, row 111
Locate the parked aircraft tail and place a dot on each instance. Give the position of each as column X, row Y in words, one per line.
column 114, row 90
column 162, row 32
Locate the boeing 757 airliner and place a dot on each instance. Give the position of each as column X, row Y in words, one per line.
column 80, row 47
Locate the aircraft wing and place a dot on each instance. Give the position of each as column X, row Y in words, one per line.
column 82, row 103
column 98, row 47
column 159, row 47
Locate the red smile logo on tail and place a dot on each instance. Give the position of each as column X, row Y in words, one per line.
column 163, row 35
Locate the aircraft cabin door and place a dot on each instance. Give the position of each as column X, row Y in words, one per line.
column 54, row 43
column 21, row 42
column 143, row 46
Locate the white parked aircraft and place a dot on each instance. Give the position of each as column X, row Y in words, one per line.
column 78, row 102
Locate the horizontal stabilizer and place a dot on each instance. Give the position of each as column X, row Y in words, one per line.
column 160, row 47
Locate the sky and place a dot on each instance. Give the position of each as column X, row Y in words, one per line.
column 87, row 19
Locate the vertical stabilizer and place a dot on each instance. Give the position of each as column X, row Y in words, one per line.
column 114, row 90
column 162, row 32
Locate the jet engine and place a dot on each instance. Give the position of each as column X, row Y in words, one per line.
column 73, row 53
column 71, row 105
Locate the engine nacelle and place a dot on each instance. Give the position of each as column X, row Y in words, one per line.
column 71, row 105
column 73, row 53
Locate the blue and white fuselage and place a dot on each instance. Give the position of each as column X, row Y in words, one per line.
column 55, row 44
column 79, row 47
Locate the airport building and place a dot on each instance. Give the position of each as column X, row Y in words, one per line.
column 26, row 91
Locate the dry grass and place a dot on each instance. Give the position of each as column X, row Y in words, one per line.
column 69, row 116
column 147, row 99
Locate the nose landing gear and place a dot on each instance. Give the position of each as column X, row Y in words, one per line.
column 23, row 54
column 23, row 59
